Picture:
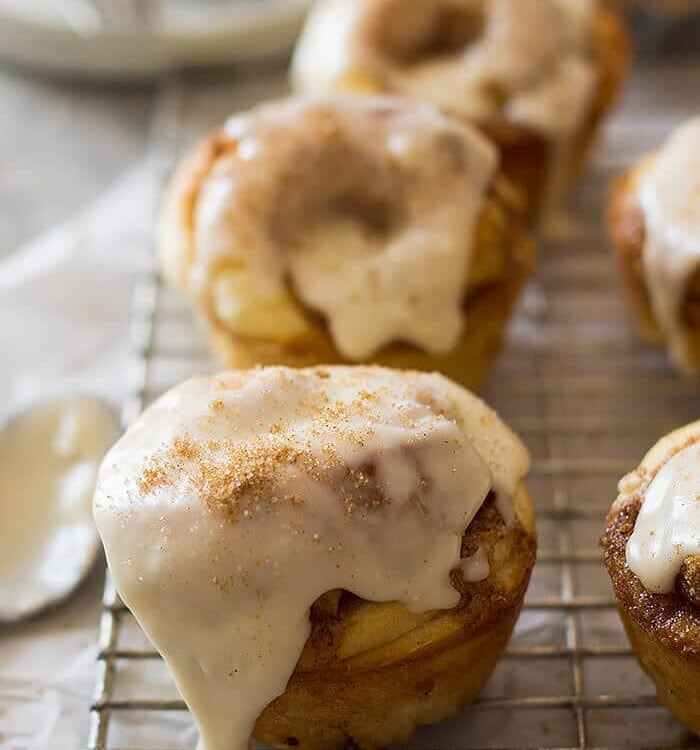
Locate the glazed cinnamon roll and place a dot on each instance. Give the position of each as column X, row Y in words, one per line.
column 347, row 230
column 652, row 551
column 654, row 222
column 322, row 556
column 537, row 76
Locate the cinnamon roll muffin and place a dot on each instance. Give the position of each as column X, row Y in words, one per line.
column 536, row 76
column 654, row 223
column 323, row 556
column 347, row 230
column 652, row 551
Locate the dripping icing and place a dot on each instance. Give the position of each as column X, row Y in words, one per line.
column 236, row 501
column 475, row 568
column 667, row 529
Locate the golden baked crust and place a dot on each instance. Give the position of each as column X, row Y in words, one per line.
column 370, row 673
column 664, row 629
column 677, row 677
column 626, row 226
column 503, row 259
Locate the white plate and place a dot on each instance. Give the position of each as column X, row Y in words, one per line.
column 35, row 33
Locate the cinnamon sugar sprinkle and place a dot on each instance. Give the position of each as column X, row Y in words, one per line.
column 235, row 479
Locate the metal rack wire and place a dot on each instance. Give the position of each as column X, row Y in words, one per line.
column 587, row 398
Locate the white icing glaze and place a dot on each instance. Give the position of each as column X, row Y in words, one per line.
column 48, row 466
column 425, row 176
column 475, row 568
column 536, row 54
column 667, row 529
column 669, row 194
column 236, row 501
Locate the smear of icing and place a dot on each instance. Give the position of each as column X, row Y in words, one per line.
column 667, row 529
column 475, row 568
column 236, row 501
column 669, row 194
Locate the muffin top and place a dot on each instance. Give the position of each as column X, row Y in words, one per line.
column 236, row 501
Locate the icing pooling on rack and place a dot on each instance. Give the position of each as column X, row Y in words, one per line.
column 236, row 501
column 49, row 456
column 669, row 194
column 667, row 529
column 368, row 206
column 532, row 62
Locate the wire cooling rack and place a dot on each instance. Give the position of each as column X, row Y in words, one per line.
column 574, row 382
